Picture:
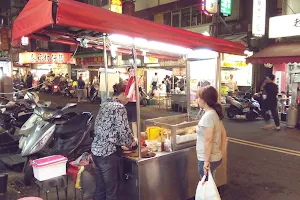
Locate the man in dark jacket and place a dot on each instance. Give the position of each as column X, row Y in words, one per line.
column 270, row 101
column 29, row 80
column 80, row 88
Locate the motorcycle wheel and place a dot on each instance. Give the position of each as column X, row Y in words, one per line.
column 267, row 116
column 230, row 113
column 28, row 174
column 144, row 102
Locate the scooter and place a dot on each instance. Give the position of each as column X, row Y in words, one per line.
column 67, row 89
column 69, row 139
column 144, row 97
column 94, row 95
column 15, row 113
column 248, row 107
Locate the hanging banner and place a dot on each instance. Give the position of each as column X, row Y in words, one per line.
column 45, row 58
column 116, row 6
column 210, row 6
column 4, row 39
column 259, row 18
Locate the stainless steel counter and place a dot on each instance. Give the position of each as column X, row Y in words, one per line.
column 167, row 176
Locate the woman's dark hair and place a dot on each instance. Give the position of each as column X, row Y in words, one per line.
column 210, row 95
column 119, row 88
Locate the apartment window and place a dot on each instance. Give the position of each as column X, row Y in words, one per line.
column 167, row 18
column 176, row 19
column 186, row 17
column 190, row 16
column 196, row 15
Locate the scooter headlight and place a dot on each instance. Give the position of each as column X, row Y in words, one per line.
column 40, row 144
column 47, row 115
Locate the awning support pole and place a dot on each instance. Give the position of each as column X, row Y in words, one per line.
column 138, row 107
column 188, row 87
column 105, row 65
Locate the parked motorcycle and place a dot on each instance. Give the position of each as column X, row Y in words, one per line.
column 144, row 97
column 94, row 95
column 246, row 106
column 67, row 89
column 15, row 113
column 49, row 137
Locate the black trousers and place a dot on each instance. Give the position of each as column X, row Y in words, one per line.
column 274, row 112
column 107, row 177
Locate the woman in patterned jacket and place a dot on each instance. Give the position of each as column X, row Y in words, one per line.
column 111, row 132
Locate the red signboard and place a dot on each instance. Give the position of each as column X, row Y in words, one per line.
column 45, row 58
column 4, row 39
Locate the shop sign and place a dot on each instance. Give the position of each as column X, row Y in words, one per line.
column 210, row 6
column 45, row 58
column 116, row 6
column 90, row 61
column 180, row 62
column 226, row 7
column 4, row 39
column 284, row 26
column 259, row 18
column 234, row 64
column 179, row 71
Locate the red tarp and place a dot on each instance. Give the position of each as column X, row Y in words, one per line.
column 37, row 15
column 277, row 54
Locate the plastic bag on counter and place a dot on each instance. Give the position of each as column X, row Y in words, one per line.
column 207, row 190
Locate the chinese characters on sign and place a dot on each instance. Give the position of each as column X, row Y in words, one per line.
column 45, row 58
column 4, row 39
column 284, row 26
column 297, row 22
column 116, row 6
column 259, row 18
column 90, row 61
column 226, row 7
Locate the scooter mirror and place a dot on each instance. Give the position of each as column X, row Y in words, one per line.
column 58, row 114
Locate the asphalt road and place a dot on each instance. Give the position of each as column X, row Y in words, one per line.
column 262, row 164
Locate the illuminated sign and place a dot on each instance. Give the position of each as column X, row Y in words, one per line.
column 24, row 41
column 4, row 39
column 45, row 58
column 284, row 26
column 210, row 7
column 116, row 6
column 90, row 60
column 259, row 18
column 226, row 7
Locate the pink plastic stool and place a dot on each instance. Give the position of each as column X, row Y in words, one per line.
column 30, row 198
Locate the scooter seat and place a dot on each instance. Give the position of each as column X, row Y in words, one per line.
column 73, row 125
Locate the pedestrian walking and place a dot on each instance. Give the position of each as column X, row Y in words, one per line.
column 29, row 80
column 211, row 134
column 80, row 88
column 270, row 90
column 112, row 131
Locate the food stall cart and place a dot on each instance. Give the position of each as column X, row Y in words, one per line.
column 167, row 175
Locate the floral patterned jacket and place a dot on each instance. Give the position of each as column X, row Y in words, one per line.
column 111, row 128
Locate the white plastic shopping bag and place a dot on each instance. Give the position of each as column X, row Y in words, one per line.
column 207, row 190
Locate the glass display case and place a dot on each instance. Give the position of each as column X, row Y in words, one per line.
column 178, row 128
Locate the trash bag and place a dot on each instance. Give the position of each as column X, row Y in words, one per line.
column 83, row 160
column 207, row 190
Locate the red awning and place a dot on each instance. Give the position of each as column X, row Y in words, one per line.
column 277, row 54
column 37, row 15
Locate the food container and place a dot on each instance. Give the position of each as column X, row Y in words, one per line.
column 49, row 167
column 154, row 132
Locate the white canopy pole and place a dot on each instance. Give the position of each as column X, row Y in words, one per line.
column 137, row 93
column 105, row 65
